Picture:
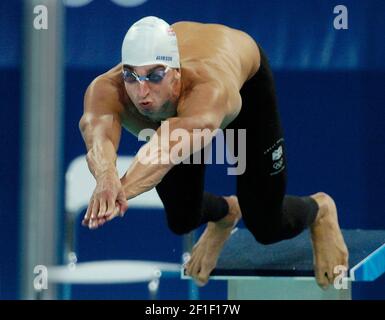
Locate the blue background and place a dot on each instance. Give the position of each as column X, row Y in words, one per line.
column 330, row 86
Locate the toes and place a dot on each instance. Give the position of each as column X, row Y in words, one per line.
column 198, row 270
column 200, row 281
column 331, row 276
column 188, row 268
column 203, row 277
column 326, row 277
column 322, row 278
column 194, row 274
column 194, row 270
column 186, row 259
column 192, row 266
column 200, row 276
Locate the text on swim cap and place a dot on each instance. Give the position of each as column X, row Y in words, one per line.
column 164, row 58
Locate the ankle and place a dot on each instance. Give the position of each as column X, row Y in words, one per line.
column 323, row 201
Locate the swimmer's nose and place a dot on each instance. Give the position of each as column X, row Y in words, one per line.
column 143, row 89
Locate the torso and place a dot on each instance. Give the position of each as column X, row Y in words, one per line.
column 207, row 51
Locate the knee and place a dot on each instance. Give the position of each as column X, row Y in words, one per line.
column 182, row 223
column 265, row 236
column 180, row 228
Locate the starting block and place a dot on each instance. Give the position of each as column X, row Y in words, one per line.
column 284, row 270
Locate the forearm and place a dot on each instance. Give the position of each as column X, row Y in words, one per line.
column 165, row 149
column 141, row 177
column 101, row 158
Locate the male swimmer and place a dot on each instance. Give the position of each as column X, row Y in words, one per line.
column 201, row 76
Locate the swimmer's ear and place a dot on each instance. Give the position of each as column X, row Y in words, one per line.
column 177, row 74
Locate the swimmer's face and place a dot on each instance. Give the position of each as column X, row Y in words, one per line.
column 153, row 89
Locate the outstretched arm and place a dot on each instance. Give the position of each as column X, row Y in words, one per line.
column 101, row 129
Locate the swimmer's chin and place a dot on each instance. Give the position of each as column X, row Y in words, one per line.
column 150, row 113
column 147, row 111
column 153, row 115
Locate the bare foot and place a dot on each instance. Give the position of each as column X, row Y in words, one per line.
column 206, row 251
column 329, row 249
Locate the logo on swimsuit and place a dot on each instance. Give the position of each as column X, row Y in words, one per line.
column 277, row 165
column 277, row 154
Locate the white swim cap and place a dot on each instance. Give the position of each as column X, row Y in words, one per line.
column 150, row 41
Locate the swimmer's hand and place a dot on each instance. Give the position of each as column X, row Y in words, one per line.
column 107, row 202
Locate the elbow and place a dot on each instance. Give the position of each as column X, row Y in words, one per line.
column 212, row 125
column 82, row 124
column 85, row 125
column 207, row 122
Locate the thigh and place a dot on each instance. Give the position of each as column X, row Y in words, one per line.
column 181, row 189
column 261, row 188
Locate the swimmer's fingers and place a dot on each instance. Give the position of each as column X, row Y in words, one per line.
column 122, row 203
column 110, row 207
column 89, row 219
column 102, row 208
column 115, row 213
column 87, row 215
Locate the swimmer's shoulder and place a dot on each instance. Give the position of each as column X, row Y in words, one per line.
column 240, row 47
column 113, row 76
column 203, row 32
column 114, row 84
column 106, row 93
column 187, row 27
